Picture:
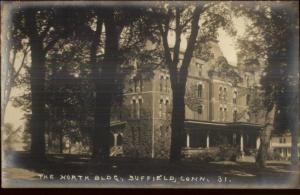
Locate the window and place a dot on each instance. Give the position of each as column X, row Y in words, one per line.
column 139, row 134
column 167, row 109
column 119, row 140
column 200, row 109
column 248, row 100
column 139, row 111
column 161, row 83
column 135, row 84
column 199, row 67
column 167, row 84
column 160, row 107
column 248, row 116
column 220, row 93
column 247, row 80
column 199, row 90
column 161, row 130
column 235, row 115
column 221, row 114
column 234, row 97
column 225, row 114
column 134, row 108
column 225, row 93
column 131, row 85
column 141, row 85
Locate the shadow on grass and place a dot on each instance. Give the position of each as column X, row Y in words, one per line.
column 71, row 164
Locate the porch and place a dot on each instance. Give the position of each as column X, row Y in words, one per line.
column 202, row 136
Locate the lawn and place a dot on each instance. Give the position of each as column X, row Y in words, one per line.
column 80, row 171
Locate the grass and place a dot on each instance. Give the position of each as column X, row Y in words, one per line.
column 20, row 168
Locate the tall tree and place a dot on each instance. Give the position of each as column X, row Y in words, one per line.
column 43, row 27
column 271, row 42
column 105, row 71
column 15, row 48
column 184, row 21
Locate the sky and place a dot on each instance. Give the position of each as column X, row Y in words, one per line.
column 226, row 43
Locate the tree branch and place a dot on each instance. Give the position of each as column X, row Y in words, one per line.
column 22, row 64
column 52, row 43
column 190, row 46
column 177, row 38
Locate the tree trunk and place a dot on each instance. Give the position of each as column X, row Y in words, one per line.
column 294, row 128
column 104, row 90
column 265, row 137
column 37, row 82
column 61, row 141
column 294, row 150
column 177, row 125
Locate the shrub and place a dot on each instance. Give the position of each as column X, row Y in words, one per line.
column 228, row 152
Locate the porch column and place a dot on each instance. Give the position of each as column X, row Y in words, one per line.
column 115, row 139
column 207, row 140
column 257, row 142
column 242, row 144
column 187, row 140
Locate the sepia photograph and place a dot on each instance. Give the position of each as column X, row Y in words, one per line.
column 150, row 94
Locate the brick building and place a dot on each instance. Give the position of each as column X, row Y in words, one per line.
column 218, row 97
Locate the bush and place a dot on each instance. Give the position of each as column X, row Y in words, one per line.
column 274, row 155
column 228, row 153
column 221, row 153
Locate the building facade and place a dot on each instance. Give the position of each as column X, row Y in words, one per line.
column 280, row 146
column 217, row 110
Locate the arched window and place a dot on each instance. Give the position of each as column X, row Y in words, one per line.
column 248, row 116
column 161, row 83
column 225, row 93
column 167, row 84
column 220, row 93
column 235, row 115
column 139, row 134
column 221, row 114
column 247, row 80
column 167, row 109
column 135, row 84
column 160, row 107
column 199, row 67
column 161, row 131
column 119, row 140
column 200, row 109
column 199, row 90
column 141, row 84
column 247, row 99
column 225, row 114
column 134, row 108
column 234, row 97
column 139, row 111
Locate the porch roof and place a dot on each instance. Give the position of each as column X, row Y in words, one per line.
column 208, row 125
column 117, row 125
